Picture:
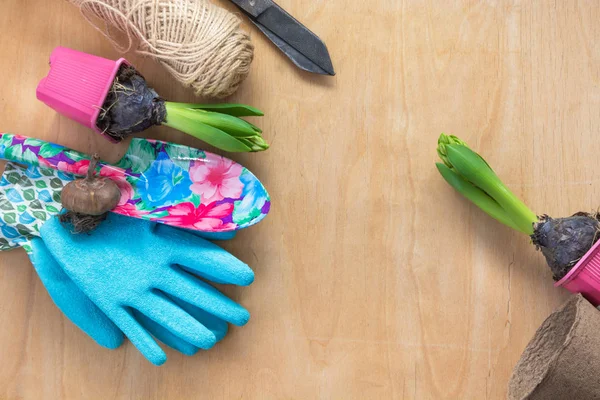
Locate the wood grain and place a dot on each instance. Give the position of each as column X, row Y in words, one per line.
column 373, row 279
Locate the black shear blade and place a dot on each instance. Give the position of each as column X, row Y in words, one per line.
column 302, row 46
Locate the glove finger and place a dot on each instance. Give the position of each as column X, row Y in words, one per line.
column 214, row 264
column 165, row 336
column 139, row 337
column 210, row 261
column 174, row 319
column 216, row 325
column 192, row 290
column 71, row 300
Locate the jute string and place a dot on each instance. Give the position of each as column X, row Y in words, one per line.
column 201, row 44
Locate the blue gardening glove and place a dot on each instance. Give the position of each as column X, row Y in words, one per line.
column 71, row 300
column 27, row 199
column 130, row 267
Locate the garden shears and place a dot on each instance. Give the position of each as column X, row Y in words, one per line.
column 296, row 41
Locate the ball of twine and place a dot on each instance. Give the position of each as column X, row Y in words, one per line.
column 201, row 44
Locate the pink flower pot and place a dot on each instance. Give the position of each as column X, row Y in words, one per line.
column 77, row 84
column 584, row 277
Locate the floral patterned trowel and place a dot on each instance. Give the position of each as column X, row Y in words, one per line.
column 161, row 181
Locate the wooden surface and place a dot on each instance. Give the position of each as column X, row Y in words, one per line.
column 374, row 280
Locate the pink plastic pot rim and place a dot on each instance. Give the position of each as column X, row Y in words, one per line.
column 96, row 113
column 580, row 266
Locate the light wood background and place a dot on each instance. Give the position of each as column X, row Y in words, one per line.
column 374, row 280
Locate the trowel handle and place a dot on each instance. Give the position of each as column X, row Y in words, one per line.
column 39, row 153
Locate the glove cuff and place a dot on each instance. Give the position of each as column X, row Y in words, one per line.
column 28, row 198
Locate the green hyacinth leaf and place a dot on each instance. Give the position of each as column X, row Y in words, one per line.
column 237, row 110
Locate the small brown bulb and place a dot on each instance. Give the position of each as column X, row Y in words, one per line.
column 91, row 195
